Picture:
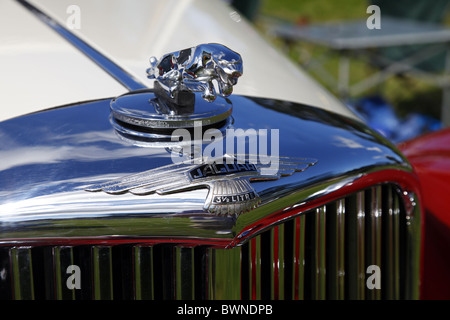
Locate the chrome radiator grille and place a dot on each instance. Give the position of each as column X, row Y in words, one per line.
column 324, row 253
column 321, row 254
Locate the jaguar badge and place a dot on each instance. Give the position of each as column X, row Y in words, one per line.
column 228, row 179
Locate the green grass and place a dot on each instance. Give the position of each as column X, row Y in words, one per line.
column 314, row 10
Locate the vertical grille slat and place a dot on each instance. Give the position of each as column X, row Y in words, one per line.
column 277, row 265
column 143, row 272
column 123, row 272
column 224, row 273
column 323, row 253
column 360, row 253
column 184, row 273
column 390, row 244
column 164, row 277
column 83, row 259
column 355, row 254
column 255, row 268
column 336, row 250
column 373, row 239
column 62, row 259
column 6, row 290
column 22, row 273
column 102, row 272
column 319, row 255
column 397, row 252
column 299, row 258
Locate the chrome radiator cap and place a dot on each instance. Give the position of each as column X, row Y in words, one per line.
column 187, row 83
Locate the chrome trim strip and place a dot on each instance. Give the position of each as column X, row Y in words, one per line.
column 118, row 73
column 413, row 244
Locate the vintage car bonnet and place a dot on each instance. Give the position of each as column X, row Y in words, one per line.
column 220, row 149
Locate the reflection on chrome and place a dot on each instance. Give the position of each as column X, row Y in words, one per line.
column 50, row 158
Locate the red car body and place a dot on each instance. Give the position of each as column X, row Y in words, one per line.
column 430, row 157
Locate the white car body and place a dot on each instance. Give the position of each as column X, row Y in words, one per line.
column 40, row 70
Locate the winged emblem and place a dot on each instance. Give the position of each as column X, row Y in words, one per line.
column 228, row 179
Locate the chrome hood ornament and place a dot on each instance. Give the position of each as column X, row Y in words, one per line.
column 186, row 87
column 195, row 69
column 228, row 179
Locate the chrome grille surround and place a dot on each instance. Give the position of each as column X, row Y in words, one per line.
column 320, row 253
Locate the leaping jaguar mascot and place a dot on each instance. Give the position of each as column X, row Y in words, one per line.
column 194, row 69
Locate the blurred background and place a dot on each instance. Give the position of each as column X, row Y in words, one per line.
column 396, row 77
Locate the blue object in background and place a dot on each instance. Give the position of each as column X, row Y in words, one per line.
column 381, row 117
